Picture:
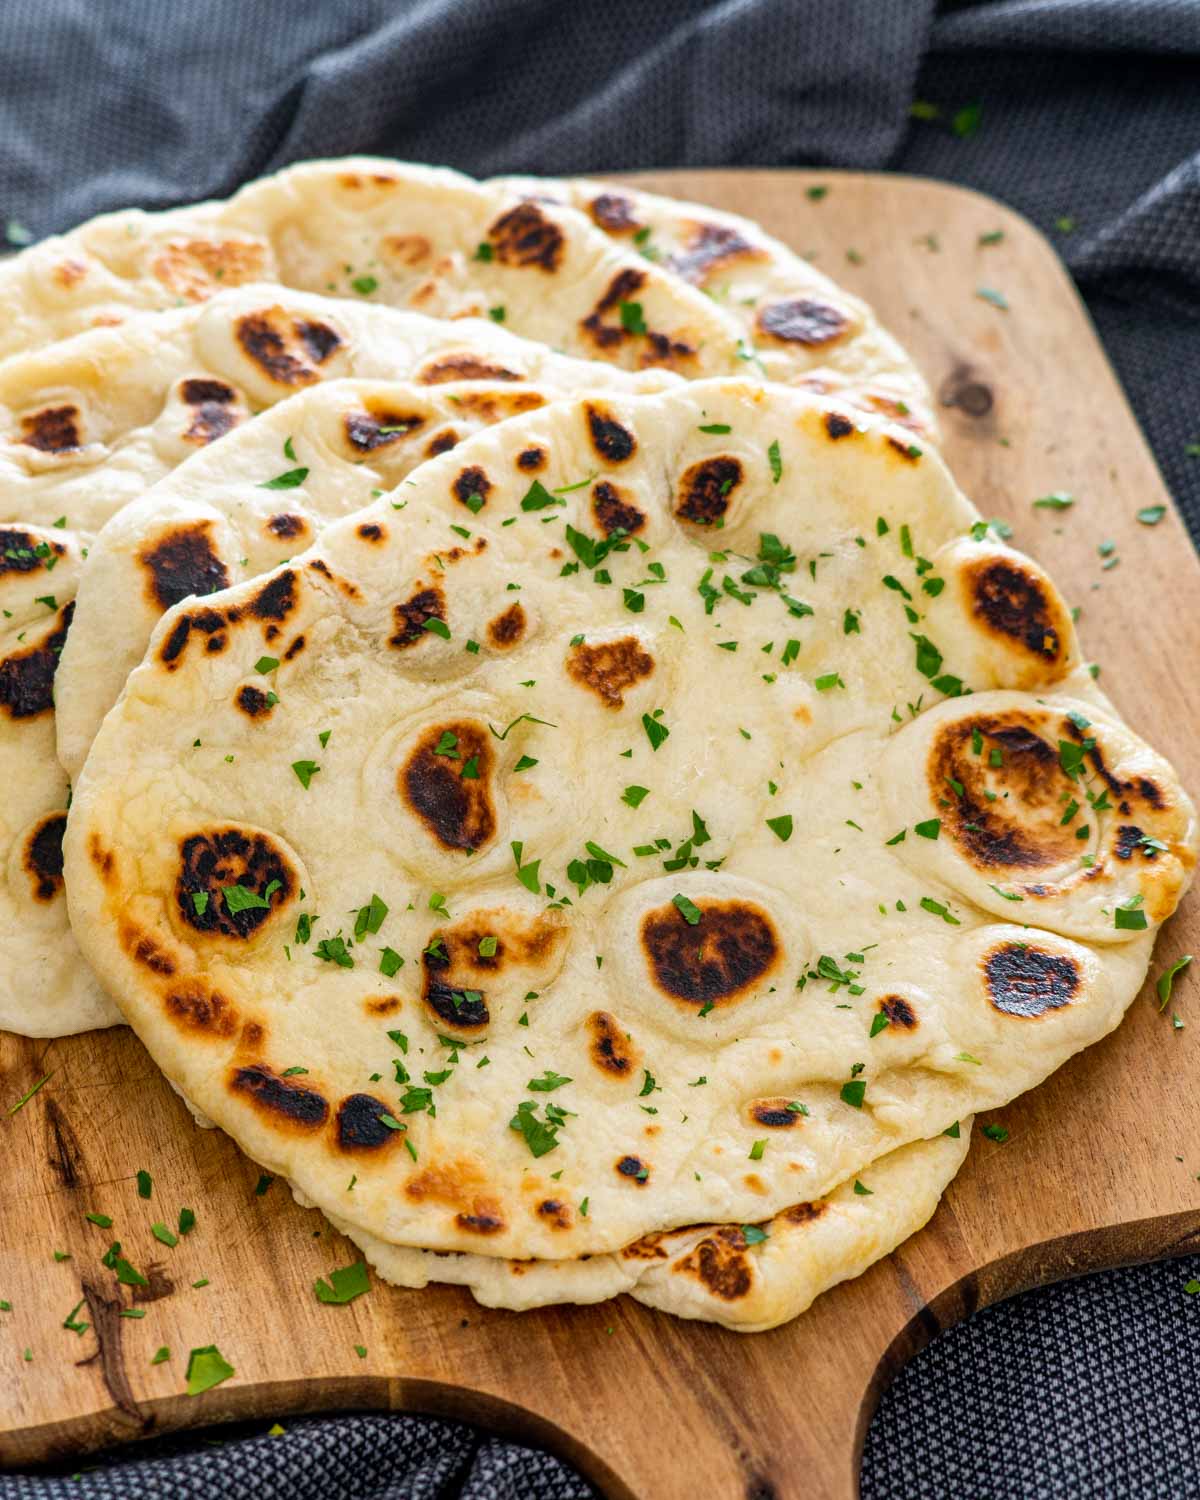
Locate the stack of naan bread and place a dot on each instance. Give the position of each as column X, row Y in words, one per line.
column 508, row 703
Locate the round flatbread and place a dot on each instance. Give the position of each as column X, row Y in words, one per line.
column 437, row 241
column 798, row 325
column 748, row 1277
column 87, row 425
column 584, row 815
column 45, row 988
column 93, row 421
column 424, row 238
column 216, row 519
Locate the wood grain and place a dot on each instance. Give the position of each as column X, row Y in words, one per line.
column 1102, row 1163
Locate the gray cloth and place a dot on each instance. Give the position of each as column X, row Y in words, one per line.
column 1090, row 111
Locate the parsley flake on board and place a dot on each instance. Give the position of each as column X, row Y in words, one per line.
column 344, row 1284
column 206, row 1368
column 1163, row 984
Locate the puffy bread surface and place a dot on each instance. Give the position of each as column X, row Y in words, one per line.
column 92, row 422
column 45, row 987
column 264, row 493
column 437, row 241
column 612, row 775
column 748, row 1277
column 88, row 424
column 804, row 329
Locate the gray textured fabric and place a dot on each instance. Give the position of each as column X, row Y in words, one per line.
column 1090, row 111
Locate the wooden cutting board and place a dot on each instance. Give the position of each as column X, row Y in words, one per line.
column 1100, row 1169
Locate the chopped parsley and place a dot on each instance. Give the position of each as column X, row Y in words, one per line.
column 344, row 1284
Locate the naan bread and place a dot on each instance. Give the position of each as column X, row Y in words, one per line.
column 804, row 329
column 45, row 988
column 419, row 237
column 435, row 240
column 746, row 1277
column 621, row 804
column 213, row 521
column 89, row 424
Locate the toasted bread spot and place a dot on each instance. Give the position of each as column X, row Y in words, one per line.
column 472, row 482
column 718, row 959
column 1022, row 829
column 253, row 702
column 406, row 249
column 371, row 531
column 183, row 562
column 614, row 443
column 1011, row 600
column 776, row 1114
column 69, row 273
column 659, row 349
column 610, row 668
column 287, row 526
column 457, row 809
column 360, row 1124
column 21, row 552
column 611, row 1049
column 452, row 367
column 899, row 1012
column 441, row 442
column 703, row 492
column 613, row 212
column 409, row 618
column 487, row 1219
column 612, row 513
column 367, row 431
column 524, row 236
column 634, row 1168
column 1023, row 980
column 382, row 1005
column 195, row 1007
column 103, row 859
column 712, row 247
column 209, row 623
column 720, row 1264
column 43, row 857
column 214, row 410
column 555, row 1212
column 195, row 269
column 289, row 353
column 804, row 1213
column 507, row 629
column 219, row 859
column 532, row 460
column 463, row 1008
column 838, row 426
column 54, row 429
column 280, row 1101
column 456, row 1183
column 276, row 599
column 145, row 949
column 27, row 677
column 909, row 452
column 802, row 321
